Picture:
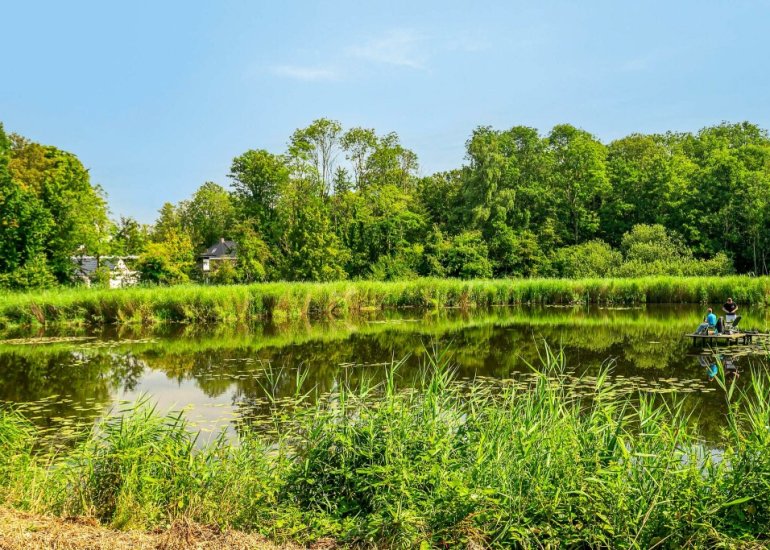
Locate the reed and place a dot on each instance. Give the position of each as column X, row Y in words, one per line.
column 444, row 464
column 286, row 301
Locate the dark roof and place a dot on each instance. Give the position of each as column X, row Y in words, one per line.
column 222, row 249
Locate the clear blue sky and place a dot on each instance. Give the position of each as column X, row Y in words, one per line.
column 158, row 97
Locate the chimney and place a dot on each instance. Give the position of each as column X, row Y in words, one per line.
column 222, row 240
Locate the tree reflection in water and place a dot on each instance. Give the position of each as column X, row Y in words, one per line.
column 200, row 364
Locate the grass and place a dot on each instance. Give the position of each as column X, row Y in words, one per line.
column 442, row 464
column 282, row 301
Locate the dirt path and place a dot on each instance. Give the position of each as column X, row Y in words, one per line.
column 19, row 530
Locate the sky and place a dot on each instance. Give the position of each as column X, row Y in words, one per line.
column 156, row 98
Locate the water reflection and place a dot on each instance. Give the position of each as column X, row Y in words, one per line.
column 223, row 372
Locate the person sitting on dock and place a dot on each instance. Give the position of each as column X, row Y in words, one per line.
column 709, row 322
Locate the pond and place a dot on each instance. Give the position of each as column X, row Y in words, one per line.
column 223, row 374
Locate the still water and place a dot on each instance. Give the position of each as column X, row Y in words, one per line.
column 222, row 374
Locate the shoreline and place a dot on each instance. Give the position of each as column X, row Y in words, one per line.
column 290, row 301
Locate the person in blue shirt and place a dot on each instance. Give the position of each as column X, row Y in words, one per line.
column 709, row 322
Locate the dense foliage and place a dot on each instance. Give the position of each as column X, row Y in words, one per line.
column 531, row 462
column 352, row 203
column 49, row 212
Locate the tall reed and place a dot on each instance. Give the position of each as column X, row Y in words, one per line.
column 239, row 303
column 443, row 464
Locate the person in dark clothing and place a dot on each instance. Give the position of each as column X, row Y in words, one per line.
column 731, row 310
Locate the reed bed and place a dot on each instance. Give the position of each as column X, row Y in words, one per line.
column 442, row 464
column 284, row 301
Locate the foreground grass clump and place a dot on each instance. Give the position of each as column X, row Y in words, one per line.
column 443, row 464
column 242, row 303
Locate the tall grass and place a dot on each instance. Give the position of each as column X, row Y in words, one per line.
column 443, row 464
column 239, row 303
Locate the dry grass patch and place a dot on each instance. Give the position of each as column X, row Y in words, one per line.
column 20, row 530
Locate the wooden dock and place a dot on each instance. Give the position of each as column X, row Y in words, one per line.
column 727, row 339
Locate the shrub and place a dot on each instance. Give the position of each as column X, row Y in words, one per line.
column 468, row 257
column 35, row 274
column 592, row 259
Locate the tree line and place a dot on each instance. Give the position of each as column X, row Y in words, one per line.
column 351, row 203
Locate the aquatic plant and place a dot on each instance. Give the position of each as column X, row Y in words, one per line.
column 284, row 301
column 525, row 464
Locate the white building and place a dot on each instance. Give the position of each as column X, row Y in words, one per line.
column 120, row 274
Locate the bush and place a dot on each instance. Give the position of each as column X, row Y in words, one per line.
column 35, row 274
column 468, row 257
column 167, row 262
column 223, row 273
column 592, row 259
column 101, row 276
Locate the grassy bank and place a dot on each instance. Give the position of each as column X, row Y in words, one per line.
column 243, row 303
column 445, row 465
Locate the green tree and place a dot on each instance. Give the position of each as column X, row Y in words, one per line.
column 168, row 225
column 62, row 186
column 259, row 180
column 434, row 258
column 167, row 262
column 358, row 144
column 315, row 149
column 440, row 197
column 649, row 185
column 129, row 237
column 578, row 180
column 653, row 250
column 309, row 248
column 390, row 163
column 506, row 178
column 25, row 226
column 254, row 256
column 208, row 216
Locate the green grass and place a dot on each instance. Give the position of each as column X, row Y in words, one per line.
column 442, row 465
column 281, row 301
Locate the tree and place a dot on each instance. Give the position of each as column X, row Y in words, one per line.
column 208, row 216
column 506, row 178
column 358, row 144
column 309, row 248
column 648, row 185
column 434, row 259
column 317, row 147
column 578, row 180
column 440, row 197
column 169, row 224
column 391, row 163
column 652, row 250
column 259, row 180
column 129, row 237
column 61, row 184
column 650, row 243
column 25, row 226
column 167, row 262
column 254, row 257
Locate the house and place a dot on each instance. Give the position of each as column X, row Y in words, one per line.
column 223, row 251
column 120, row 274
